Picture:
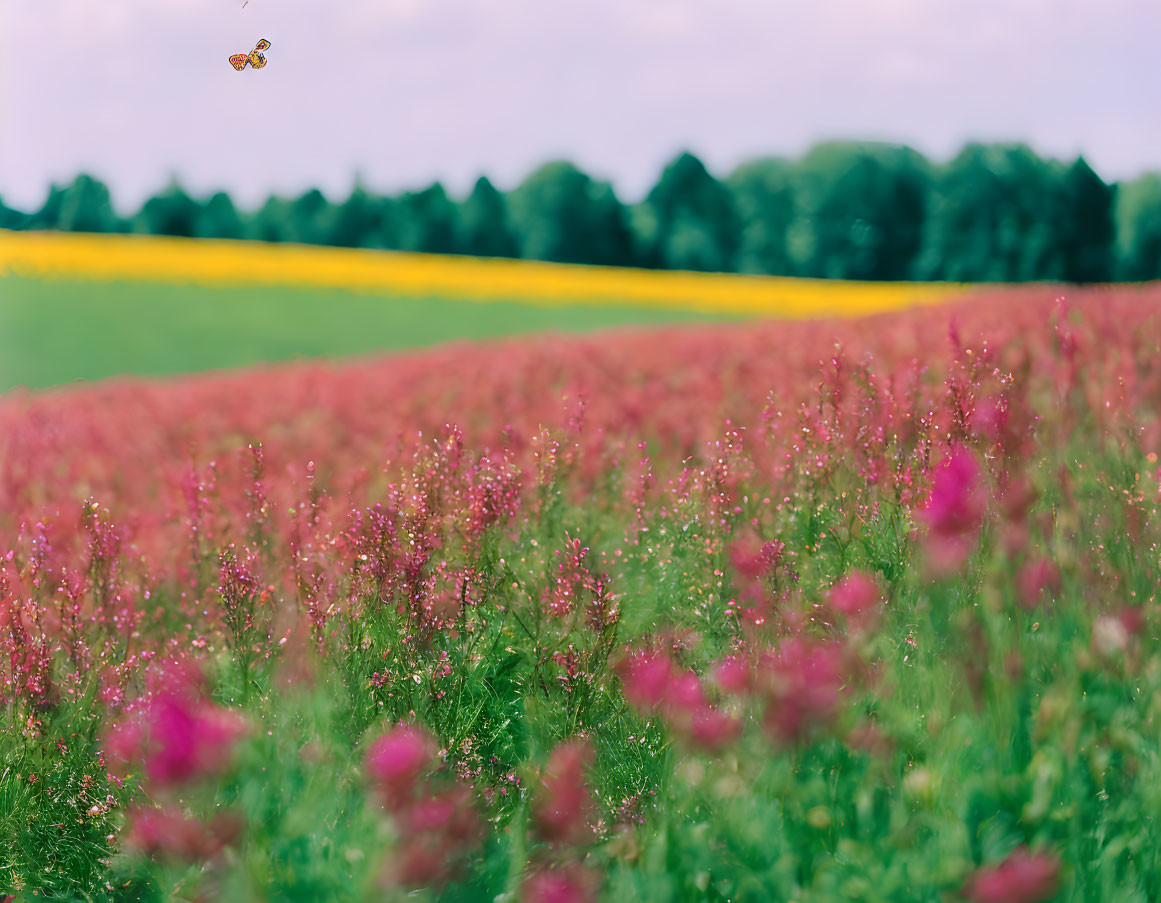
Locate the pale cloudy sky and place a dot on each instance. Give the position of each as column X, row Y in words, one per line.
column 407, row 91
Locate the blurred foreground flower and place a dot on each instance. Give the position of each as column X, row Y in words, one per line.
column 437, row 826
column 856, row 596
column 1024, row 877
column 566, row 885
column 1038, row 578
column 954, row 512
column 396, row 760
column 564, row 806
column 167, row 833
column 177, row 733
column 803, row 682
column 653, row 684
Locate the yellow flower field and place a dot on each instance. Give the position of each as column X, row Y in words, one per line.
column 212, row 262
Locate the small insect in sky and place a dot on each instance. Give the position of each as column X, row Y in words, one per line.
column 254, row 58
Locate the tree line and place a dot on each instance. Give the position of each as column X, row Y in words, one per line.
column 996, row 212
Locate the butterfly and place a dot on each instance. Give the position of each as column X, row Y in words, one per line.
column 254, row 58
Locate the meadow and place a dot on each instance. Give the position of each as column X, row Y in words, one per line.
column 817, row 610
column 76, row 306
column 58, row 331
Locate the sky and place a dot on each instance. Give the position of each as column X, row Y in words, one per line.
column 404, row 92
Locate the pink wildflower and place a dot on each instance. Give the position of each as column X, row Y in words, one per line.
column 954, row 512
column 752, row 561
column 855, row 595
column 711, row 729
column 167, row 833
column 732, row 675
column 653, row 685
column 188, row 739
column 803, row 683
column 646, row 678
column 1023, row 877
column 180, row 735
column 1036, row 578
column 685, row 694
column 567, row 885
column 564, row 805
column 396, row 760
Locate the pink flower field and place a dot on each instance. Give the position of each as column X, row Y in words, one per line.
column 810, row 611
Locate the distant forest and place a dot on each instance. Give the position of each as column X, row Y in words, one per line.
column 843, row 210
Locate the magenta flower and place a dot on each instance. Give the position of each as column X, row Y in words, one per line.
column 685, row 694
column 1036, row 578
column 646, row 678
column 956, row 505
column 804, row 682
column 178, row 734
column 167, row 833
column 712, row 730
column 396, row 760
column 188, row 739
column 1023, row 877
column 732, row 675
column 955, row 511
column 564, row 805
column 566, row 885
column 855, row 595
column 654, row 685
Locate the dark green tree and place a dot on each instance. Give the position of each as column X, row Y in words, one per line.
column 1089, row 233
column 426, row 221
column 561, row 214
column 1138, row 221
column 763, row 192
column 358, row 221
column 219, row 218
column 48, row 216
column 272, row 221
column 310, row 216
column 85, row 207
column 173, row 212
column 484, row 227
column 859, row 211
column 997, row 214
column 688, row 221
column 11, row 218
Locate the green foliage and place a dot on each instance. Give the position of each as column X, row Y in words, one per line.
column 855, row 210
column 997, row 214
column 173, row 212
column 1088, row 225
column 426, row 221
column 1138, row 221
column 688, row 220
column 272, row 221
column 485, row 230
column 308, row 218
column 561, row 214
column 85, row 207
column 859, row 212
column 358, row 221
column 11, row 218
column 763, row 193
column 220, row 219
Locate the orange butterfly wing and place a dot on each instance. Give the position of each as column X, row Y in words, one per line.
column 262, row 45
column 238, row 61
column 257, row 60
